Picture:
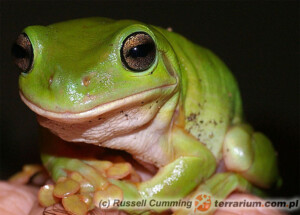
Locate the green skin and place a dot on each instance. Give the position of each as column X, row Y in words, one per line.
column 187, row 103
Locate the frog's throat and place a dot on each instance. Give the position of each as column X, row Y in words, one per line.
column 135, row 99
column 137, row 124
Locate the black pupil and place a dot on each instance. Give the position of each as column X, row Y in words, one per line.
column 141, row 50
column 18, row 51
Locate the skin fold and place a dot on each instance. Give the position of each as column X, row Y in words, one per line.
column 172, row 105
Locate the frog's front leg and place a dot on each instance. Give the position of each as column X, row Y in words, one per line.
column 252, row 155
column 193, row 164
column 76, row 182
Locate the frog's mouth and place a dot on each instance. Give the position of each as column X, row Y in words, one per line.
column 139, row 99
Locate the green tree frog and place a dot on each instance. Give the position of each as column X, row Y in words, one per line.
column 150, row 92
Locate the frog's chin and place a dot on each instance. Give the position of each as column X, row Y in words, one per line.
column 139, row 99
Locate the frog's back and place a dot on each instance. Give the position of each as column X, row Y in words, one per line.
column 210, row 95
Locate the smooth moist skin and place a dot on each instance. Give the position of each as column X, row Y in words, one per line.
column 131, row 87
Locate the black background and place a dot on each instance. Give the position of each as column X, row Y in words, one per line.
column 259, row 41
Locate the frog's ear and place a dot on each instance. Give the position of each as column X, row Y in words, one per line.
column 166, row 50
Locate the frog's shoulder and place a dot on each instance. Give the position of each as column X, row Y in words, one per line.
column 210, row 96
column 212, row 102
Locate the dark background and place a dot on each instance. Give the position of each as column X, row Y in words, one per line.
column 259, row 41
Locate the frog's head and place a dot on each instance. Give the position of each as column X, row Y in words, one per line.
column 85, row 70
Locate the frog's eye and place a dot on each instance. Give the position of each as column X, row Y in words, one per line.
column 22, row 52
column 138, row 51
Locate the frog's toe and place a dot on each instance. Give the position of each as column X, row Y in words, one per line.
column 76, row 198
column 46, row 197
column 83, row 185
column 106, row 199
column 66, row 187
column 30, row 172
column 75, row 204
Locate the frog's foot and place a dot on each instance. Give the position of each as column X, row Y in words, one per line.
column 252, row 155
column 82, row 185
column 31, row 173
column 218, row 187
column 58, row 209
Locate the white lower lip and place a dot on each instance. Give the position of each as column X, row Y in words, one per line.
column 96, row 111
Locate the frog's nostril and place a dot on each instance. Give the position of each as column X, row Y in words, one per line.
column 22, row 52
column 50, row 81
column 86, row 81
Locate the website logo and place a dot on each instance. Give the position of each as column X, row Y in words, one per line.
column 202, row 203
